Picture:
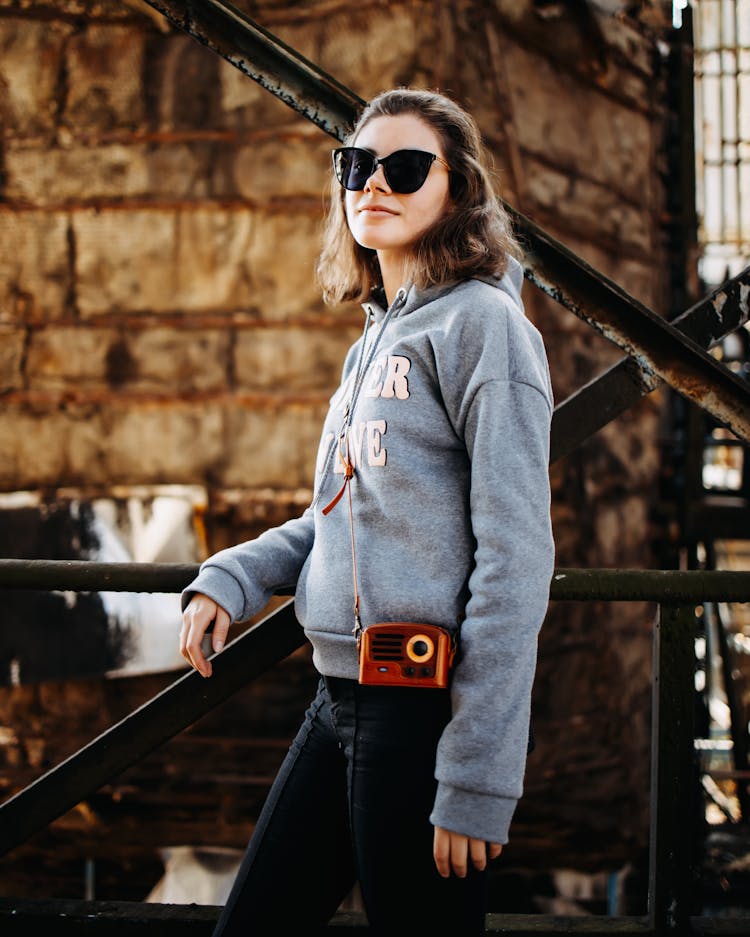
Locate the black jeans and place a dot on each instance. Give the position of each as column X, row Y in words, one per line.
column 352, row 802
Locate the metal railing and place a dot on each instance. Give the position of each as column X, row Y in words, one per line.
column 672, row 894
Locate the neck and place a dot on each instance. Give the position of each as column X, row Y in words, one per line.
column 392, row 269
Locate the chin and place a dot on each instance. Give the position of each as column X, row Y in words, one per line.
column 376, row 241
column 371, row 243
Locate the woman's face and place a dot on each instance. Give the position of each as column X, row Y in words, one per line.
column 378, row 217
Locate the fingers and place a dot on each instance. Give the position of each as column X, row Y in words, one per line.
column 481, row 851
column 221, row 629
column 478, row 853
column 452, row 851
column 494, row 850
column 196, row 619
column 441, row 851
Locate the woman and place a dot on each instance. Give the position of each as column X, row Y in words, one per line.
column 432, row 506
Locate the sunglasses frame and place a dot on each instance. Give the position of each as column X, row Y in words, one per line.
column 377, row 161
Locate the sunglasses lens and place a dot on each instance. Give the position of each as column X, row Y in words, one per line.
column 353, row 167
column 407, row 170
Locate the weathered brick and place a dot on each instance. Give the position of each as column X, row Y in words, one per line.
column 621, row 532
column 370, row 50
column 11, row 356
column 274, row 448
column 158, row 360
column 210, row 258
column 140, row 444
column 243, row 101
column 283, row 254
column 239, row 514
column 154, row 260
column 60, row 357
column 291, row 360
column 621, row 455
column 169, row 360
column 590, row 207
column 581, row 356
column 277, row 168
column 92, row 9
column 158, row 444
column 623, row 59
column 49, row 175
column 572, row 124
column 34, row 447
column 30, row 62
column 105, row 87
column 183, row 86
column 34, row 265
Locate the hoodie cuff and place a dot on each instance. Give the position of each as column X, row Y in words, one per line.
column 219, row 586
column 480, row 816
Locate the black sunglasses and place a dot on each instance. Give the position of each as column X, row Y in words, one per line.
column 405, row 170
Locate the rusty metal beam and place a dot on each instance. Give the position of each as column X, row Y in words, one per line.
column 162, row 717
column 62, row 917
column 674, row 809
column 85, row 576
column 625, row 383
column 658, row 348
column 277, row 67
column 571, row 584
column 660, row 351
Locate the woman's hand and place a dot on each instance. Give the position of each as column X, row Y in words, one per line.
column 452, row 852
column 196, row 618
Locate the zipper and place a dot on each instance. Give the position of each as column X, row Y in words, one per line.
column 364, row 361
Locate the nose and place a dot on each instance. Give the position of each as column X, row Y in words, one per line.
column 377, row 181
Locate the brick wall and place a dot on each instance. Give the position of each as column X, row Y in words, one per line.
column 159, row 323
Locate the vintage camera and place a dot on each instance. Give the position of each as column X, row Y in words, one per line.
column 405, row 653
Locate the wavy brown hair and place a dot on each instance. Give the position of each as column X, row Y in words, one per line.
column 473, row 237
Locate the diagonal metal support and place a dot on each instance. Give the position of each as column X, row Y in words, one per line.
column 625, row 383
column 146, row 728
column 263, row 57
column 658, row 348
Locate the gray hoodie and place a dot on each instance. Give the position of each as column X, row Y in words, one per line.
column 449, row 435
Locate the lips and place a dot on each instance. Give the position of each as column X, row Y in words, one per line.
column 376, row 209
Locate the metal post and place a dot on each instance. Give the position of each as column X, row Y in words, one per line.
column 673, row 771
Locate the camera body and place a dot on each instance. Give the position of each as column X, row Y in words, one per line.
column 405, row 653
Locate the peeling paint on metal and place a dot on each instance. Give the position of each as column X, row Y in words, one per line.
column 744, row 301
column 718, row 303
